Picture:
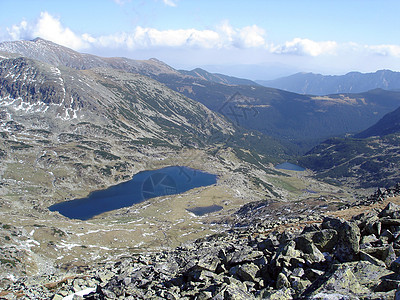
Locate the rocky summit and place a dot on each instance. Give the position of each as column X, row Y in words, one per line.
column 349, row 254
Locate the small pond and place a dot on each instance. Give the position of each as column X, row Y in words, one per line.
column 144, row 185
column 203, row 210
column 290, row 167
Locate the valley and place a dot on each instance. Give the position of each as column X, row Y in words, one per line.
column 72, row 124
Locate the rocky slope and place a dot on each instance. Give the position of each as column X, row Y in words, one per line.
column 51, row 53
column 346, row 254
column 353, row 82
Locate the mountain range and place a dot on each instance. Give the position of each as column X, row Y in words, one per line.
column 73, row 123
column 353, row 82
column 298, row 121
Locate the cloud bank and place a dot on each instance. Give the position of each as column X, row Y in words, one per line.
column 223, row 36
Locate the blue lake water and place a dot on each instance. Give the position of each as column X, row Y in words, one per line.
column 203, row 210
column 143, row 186
column 290, row 167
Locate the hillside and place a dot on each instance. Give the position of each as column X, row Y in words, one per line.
column 298, row 121
column 369, row 159
column 51, row 53
column 389, row 124
column 353, row 82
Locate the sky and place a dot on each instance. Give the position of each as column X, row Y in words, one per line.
column 255, row 39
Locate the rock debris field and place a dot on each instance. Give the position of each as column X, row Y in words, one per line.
column 328, row 258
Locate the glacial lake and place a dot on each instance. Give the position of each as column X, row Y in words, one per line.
column 144, row 185
column 290, row 167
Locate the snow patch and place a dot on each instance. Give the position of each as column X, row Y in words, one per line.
column 80, row 293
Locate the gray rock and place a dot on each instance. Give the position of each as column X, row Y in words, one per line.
column 389, row 255
column 325, row 239
column 387, row 285
column 313, row 274
column 342, row 281
column 280, row 294
column 371, row 259
column 331, row 296
column 243, row 255
column 368, row 275
column 390, row 222
column 298, row 284
column 331, row 223
column 248, row 272
column 386, row 236
column 311, row 228
column 395, row 266
column 347, row 246
column 391, row 210
column 232, row 292
column 282, row 281
column 299, row 272
column 204, row 295
column 368, row 239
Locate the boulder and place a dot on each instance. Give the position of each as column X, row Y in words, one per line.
column 391, row 211
column 347, row 246
column 242, row 255
column 248, row 272
column 232, row 292
column 388, row 255
column 342, row 281
column 283, row 293
column 282, row 281
column 371, row 259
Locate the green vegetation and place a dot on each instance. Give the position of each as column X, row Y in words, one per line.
column 10, row 262
column 372, row 161
column 58, row 232
column 106, row 155
column 19, row 145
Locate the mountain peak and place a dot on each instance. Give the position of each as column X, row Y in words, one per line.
column 39, row 39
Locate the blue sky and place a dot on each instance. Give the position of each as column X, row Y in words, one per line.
column 254, row 39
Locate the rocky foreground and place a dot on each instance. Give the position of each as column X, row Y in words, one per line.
column 329, row 258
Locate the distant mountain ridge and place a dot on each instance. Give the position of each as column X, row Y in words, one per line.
column 353, row 82
column 218, row 78
column 54, row 54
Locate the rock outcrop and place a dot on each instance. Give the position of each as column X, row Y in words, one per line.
column 332, row 259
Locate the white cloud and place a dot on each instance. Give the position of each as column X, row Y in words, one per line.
column 18, row 31
column 385, row 50
column 225, row 36
column 169, row 3
column 50, row 28
column 222, row 37
column 300, row 46
column 252, row 36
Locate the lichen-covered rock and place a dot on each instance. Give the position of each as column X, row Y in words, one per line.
column 348, row 242
column 281, row 294
column 342, row 281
